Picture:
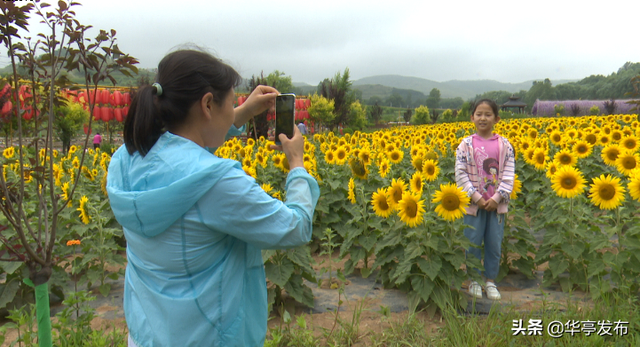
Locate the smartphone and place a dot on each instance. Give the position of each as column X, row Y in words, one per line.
column 285, row 115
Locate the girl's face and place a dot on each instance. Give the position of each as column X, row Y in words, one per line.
column 484, row 119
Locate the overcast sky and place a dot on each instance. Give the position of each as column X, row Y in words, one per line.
column 507, row 41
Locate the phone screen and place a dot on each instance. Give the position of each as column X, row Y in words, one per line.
column 285, row 113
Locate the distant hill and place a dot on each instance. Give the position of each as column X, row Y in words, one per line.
column 383, row 85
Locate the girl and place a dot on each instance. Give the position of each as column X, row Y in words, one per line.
column 485, row 167
column 195, row 224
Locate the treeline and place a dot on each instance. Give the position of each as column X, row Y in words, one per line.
column 617, row 86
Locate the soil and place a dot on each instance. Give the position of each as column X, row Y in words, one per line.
column 365, row 295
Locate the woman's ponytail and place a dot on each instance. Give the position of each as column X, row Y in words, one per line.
column 143, row 127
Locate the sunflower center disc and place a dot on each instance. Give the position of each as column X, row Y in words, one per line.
column 607, row 192
column 568, row 183
column 451, row 202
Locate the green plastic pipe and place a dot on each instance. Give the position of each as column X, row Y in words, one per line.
column 43, row 313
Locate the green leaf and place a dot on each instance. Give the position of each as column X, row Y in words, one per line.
column 368, row 241
column 558, row 265
column 413, row 250
column 105, row 289
column 423, row 286
column 365, row 272
column 574, row 250
column 300, row 292
column 279, row 274
column 10, row 266
column 431, row 266
column 8, row 291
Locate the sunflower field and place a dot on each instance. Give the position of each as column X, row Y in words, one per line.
column 390, row 200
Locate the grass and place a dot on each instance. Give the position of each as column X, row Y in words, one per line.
column 494, row 329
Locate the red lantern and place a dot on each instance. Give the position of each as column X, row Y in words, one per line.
column 6, row 108
column 118, row 114
column 107, row 114
column 97, row 113
column 307, row 103
column 125, row 111
column 117, row 98
column 86, row 129
column 106, row 96
column 127, row 98
column 92, row 97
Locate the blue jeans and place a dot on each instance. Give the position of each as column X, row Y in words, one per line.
column 489, row 227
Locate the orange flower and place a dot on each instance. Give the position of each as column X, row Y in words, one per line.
column 73, row 243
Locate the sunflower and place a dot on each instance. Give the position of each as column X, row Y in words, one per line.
column 634, row 187
column 430, row 170
column 591, row 138
column 103, row 184
column 453, row 201
column 540, row 159
column 411, row 210
column 380, row 203
column 358, row 168
column 568, row 182
column 630, row 143
column 556, row 137
column 627, row 162
column 610, row 153
column 277, row 195
column 365, row 155
column 75, row 163
column 384, row 167
column 396, row 191
column 417, row 162
column 565, row 158
column 329, row 157
column 415, row 183
column 266, row 187
column 582, row 149
column 9, row 152
column 604, row 139
column 606, row 192
column 395, row 156
column 517, row 187
column 84, row 214
column 352, row 187
column 341, row 155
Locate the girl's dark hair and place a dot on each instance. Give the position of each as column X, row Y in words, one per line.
column 491, row 103
column 185, row 76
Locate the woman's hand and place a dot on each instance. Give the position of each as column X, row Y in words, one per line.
column 293, row 148
column 261, row 99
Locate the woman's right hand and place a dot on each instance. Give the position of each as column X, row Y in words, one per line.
column 293, row 148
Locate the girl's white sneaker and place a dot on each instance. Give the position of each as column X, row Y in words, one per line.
column 475, row 289
column 492, row 291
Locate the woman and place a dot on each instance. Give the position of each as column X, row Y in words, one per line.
column 195, row 224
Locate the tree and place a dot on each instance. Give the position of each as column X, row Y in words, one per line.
column 278, row 80
column 32, row 219
column 433, row 100
column 338, row 89
column 447, row 115
column 357, row 116
column 421, row 116
column 407, row 114
column 68, row 122
column 374, row 100
column 375, row 113
column 321, row 110
column 465, row 111
column 395, row 100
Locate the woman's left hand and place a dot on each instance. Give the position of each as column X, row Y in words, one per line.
column 261, row 99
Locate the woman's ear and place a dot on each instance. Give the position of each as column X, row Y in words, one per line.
column 206, row 105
